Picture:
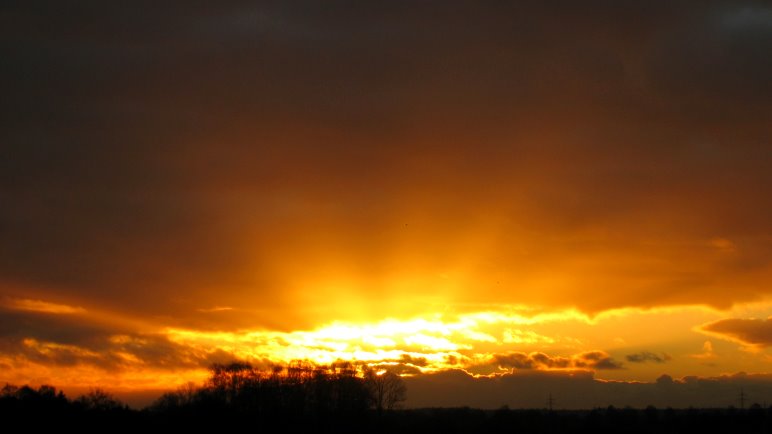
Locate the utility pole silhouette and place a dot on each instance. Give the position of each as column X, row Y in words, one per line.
column 550, row 402
column 742, row 399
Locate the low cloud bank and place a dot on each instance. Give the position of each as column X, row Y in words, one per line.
column 581, row 390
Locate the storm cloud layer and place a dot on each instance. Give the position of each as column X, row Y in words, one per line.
column 555, row 150
column 184, row 183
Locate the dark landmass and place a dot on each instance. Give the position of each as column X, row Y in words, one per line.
column 301, row 398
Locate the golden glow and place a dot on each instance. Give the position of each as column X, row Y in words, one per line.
column 434, row 338
column 467, row 340
column 480, row 199
column 484, row 343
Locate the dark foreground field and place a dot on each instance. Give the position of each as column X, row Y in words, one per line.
column 35, row 410
column 239, row 398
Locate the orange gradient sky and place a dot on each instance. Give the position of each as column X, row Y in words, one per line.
column 498, row 189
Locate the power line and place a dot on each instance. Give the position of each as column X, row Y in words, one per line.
column 550, row 402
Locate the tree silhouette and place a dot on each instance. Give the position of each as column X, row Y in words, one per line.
column 184, row 396
column 336, row 399
column 386, row 388
column 99, row 400
column 227, row 381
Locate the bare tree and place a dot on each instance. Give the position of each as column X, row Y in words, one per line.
column 100, row 400
column 227, row 380
column 187, row 393
column 387, row 389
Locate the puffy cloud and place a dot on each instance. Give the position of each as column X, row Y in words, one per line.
column 596, row 360
column 514, row 360
column 707, row 351
column 752, row 332
column 412, row 360
column 647, row 356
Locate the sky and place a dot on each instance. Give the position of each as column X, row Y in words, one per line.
column 498, row 200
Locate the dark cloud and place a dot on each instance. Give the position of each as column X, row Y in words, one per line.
column 150, row 156
column 647, row 356
column 538, row 360
column 65, row 340
column 62, row 329
column 415, row 361
column 454, row 360
column 405, row 365
column 398, row 368
column 580, row 390
column 514, row 360
column 747, row 331
column 596, row 360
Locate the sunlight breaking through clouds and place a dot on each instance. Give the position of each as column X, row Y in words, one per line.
column 465, row 340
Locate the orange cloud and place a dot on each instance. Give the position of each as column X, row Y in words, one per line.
column 31, row 305
column 707, row 352
column 751, row 332
column 648, row 356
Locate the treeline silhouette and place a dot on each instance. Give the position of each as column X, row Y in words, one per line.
column 301, row 397
column 46, row 407
column 340, row 397
column 299, row 393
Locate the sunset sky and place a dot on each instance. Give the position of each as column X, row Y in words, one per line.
column 531, row 197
